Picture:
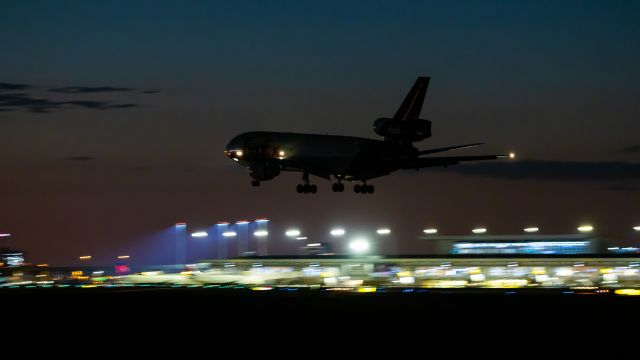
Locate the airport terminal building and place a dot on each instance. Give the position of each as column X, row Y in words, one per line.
column 563, row 244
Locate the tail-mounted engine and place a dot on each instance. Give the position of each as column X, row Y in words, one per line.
column 403, row 130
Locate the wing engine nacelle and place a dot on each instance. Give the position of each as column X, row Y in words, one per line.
column 264, row 172
column 410, row 130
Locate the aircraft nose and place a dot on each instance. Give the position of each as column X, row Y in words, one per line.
column 234, row 149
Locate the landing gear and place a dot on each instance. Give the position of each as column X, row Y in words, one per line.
column 337, row 187
column 255, row 183
column 364, row 189
column 306, row 187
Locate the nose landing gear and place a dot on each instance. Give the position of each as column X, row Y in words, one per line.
column 306, row 187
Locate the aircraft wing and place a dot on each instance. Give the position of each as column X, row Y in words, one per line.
column 456, row 147
column 420, row 163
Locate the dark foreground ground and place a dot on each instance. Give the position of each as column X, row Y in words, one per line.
column 289, row 310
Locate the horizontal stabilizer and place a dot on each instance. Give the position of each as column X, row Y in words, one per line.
column 456, row 147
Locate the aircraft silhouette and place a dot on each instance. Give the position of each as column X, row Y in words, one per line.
column 348, row 158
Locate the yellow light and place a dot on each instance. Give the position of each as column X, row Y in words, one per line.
column 404, row 274
column 76, row 273
column 585, row 228
column 123, row 257
column 239, row 153
column 42, row 265
column 261, row 288
column 606, row 270
column 512, row 155
column 367, row 289
column 630, row 292
column 281, row 153
column 85, row 257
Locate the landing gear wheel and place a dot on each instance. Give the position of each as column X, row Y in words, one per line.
column 357, row 188
column 334, row 187
column 371, row 189
column 300, row 188
column 255, row 183
column 340, row 187
column 313, row 189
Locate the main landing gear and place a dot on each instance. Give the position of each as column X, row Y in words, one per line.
column 306, row 187
column 255, row 183
column 337, row 187
column 363, row 189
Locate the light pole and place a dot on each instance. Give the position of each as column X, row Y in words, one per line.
column 181, row 242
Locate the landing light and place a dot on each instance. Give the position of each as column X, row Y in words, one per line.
column 261, row 233
column 337, row 232
column 229, row 234
column 479, row 231
column 239, row 153
column 636, row 228
column 199, row 234
column 531, row 229
column 585, row 228
column 384, row 231
column 430, row 231
column 512, row 155
column 292, row 233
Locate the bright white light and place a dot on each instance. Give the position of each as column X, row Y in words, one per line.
column 199, row 234
column 123, row 257
column 229, row 234
column 636, row 228
column 430, row 231
column 359, row 245
column 181, row 224
column 585, row 228
column 531, row 229
column 512, row 155
column 337, row 232
column 407, row 280
column 241, row 222
column 262, row 220
column 5, row 235
column 261, row 233
column 314, row 245
column 239, row 153
column 281, row 154
column 292, row 233
column 479, row 231
column 384, row 231
column 301, row 238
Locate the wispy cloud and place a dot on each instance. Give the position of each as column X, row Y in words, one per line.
column 18, row 97
column 632, row 148
column 553, row 170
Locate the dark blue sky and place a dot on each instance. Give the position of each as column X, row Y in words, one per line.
column 159, row 87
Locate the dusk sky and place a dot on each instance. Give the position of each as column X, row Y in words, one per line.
column 114, row 117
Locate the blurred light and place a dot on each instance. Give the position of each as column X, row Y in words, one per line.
column 407, row 280
column 479, row 231
column 337, row 232
column 123, row 257
column 99, row 272
column 314, row 245
column 199, row 234
column 531, row 229
column 239, row 153
column 636, row 228
column 430, row 231
column 229, row 234
column 261, row 288
column 181, row 224
column 631, row 292
column 261, row 233
column 384, row 231
column 5, row 235
column 85, row 257
column 359, row 245
column 281, row 154
column 262, row 220
column 477, row 277
column 367, row 289
column 512, row 155
column 222, row 223
column 292, row 233
column 301, row 238
column 242, row 222
column 42, row 265
column 585, row 228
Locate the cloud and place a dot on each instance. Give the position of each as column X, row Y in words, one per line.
column 8, row 86
column 81, row 158
column 632, row 148
column 87, row 89
column 553, row 170
column 13, row 97
column 623, row 188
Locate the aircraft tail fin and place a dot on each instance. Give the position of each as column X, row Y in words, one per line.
column 412, row 104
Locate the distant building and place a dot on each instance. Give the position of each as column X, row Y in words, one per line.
column 10, row 257
column 316, row 249
column 518, row 244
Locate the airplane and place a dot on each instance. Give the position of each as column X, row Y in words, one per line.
column 348, row 158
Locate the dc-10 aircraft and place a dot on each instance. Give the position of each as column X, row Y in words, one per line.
column 348, row 158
